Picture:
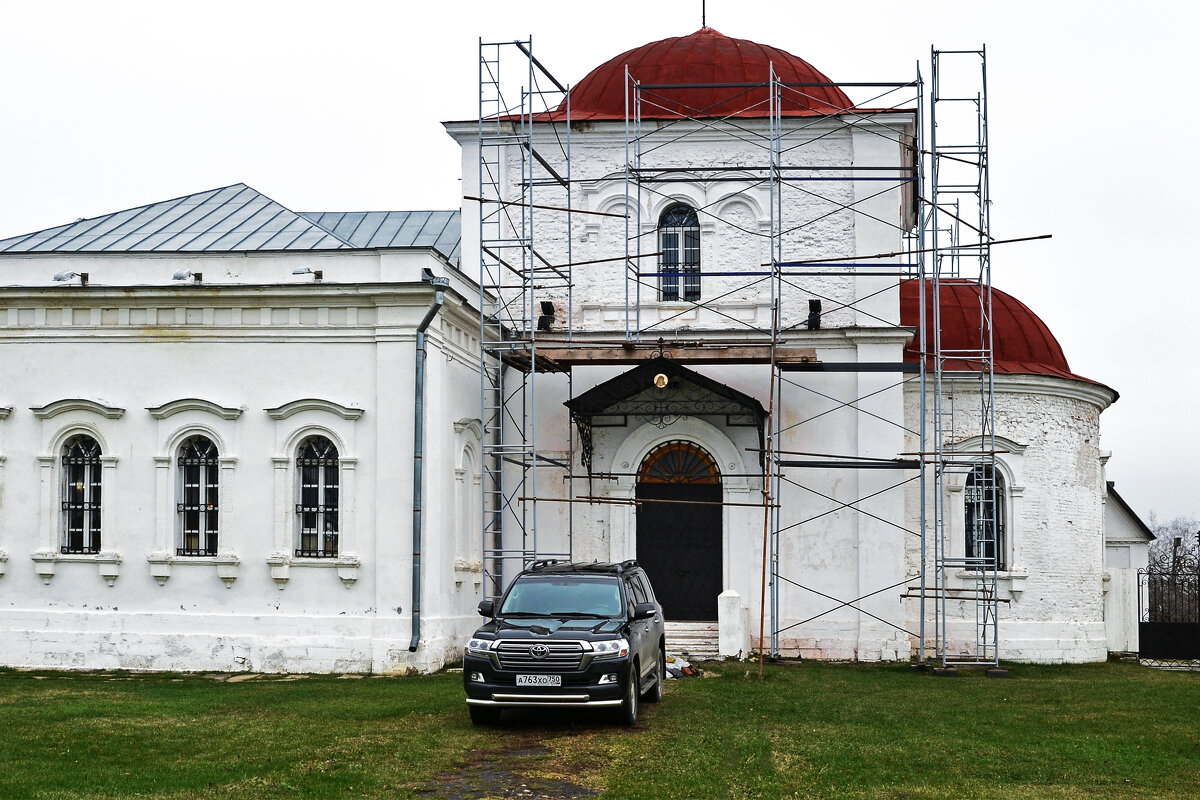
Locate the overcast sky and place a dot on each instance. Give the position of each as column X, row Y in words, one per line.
column 336, row 107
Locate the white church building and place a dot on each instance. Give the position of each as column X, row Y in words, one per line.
column 238, row 437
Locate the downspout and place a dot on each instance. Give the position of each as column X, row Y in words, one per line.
column 439, row 296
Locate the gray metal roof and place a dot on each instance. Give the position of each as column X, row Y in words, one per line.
column 238, row 218
column 440, row 229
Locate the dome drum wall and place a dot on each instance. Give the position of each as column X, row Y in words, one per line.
column 735, row 226
column 1049, row 457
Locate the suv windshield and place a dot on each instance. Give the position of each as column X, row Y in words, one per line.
column 555, row 596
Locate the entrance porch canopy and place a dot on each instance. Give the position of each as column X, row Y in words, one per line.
column 661, row 391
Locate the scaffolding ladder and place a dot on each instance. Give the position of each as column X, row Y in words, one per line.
column 958, row 222
column 510, row 169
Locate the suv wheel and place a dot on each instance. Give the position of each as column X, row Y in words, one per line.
column 484, row 715
column 660, row 673
column 629, row 703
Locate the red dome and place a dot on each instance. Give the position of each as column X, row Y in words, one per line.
column 1021, row 342
column 705, row 57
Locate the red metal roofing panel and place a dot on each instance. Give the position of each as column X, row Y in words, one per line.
column 705, row 57
column 1021, row 343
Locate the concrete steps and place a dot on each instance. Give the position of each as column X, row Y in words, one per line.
column 694, row 641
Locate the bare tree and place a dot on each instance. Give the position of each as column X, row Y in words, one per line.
column 1172, row 536
column 1173, row 575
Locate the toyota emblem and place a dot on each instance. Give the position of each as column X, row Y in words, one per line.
column 539, row 650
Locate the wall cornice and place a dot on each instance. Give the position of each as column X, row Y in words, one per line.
column 1100, row 396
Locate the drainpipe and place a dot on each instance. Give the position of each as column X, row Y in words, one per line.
column 439, row 285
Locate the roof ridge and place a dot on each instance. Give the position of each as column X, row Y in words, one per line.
column 309, row 220
column 385, row 211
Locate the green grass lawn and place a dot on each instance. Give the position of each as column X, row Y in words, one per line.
column 1099, row 731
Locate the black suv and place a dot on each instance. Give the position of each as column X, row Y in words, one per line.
column 588, row 635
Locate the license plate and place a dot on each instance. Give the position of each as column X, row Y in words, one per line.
column 539, row 680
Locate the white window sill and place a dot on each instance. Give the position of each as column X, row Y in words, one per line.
column 1010, row 583
column 281, row 564
column 108, row 563
column 226, row 564
column 468, row 572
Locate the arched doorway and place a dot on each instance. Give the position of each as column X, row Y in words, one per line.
column 679, row 536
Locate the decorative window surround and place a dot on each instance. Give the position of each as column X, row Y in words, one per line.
column 193, row 404
column 313, row 404
column 468, row 489
column 5, row 411
column 49, row 501
column 161, row 563
column 281, row 559
column 163, row 555
column 108, row 562
column 1009, row 463
column 64, row 406
column 3, row 561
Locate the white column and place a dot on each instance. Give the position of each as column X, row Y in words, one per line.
column 164, row 507
column 47, row 505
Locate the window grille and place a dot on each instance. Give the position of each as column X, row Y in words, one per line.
column 199, row 494
column 679, row 243
column 81, row 492
column 318, row 488
column 984, row 496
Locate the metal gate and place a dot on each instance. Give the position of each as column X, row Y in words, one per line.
column 1169, row 604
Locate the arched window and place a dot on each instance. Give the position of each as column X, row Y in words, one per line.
column 679, row 462
column 317, row 494
column 197, row 494
column 81, row 492
column 984, row 517
column 679, row 243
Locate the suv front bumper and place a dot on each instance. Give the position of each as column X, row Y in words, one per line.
column 580, row 688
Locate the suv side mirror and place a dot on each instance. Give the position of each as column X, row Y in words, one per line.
column 487, row 608
column 644, row 610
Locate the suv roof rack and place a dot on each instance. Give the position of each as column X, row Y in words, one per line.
column 596, row 567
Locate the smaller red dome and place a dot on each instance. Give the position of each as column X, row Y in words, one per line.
column 1021, row 343
column 705, row 57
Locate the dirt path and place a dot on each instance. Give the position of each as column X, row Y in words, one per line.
column 509, row 773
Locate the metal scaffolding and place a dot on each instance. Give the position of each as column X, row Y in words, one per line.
column 945, row 233
column 509, row 309
column 959, row 224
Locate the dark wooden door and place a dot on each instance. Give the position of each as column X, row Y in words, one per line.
column 679, row 545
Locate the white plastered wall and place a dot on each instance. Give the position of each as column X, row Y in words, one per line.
column 256, row 369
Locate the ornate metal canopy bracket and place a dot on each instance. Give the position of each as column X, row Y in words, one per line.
column 660, row 392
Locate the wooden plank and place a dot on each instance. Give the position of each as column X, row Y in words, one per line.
column 583, row 354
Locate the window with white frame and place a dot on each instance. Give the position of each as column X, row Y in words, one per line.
column 317, row 490
column 984, row 517
column 197, row 497
column 679, row 245
column 81, row 495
